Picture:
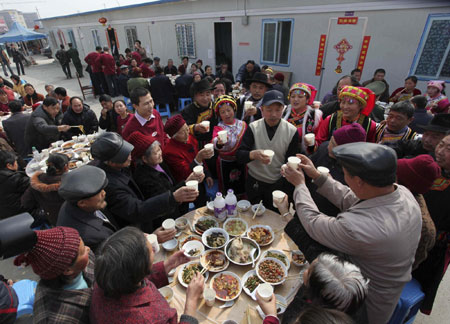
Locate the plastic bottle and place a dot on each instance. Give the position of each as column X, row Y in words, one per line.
column 231, row 203
column 36, row 155
column 220, row 210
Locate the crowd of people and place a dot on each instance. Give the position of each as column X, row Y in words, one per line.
column 368, row 222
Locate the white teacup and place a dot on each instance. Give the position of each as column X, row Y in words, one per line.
column 209, row 295
column 223, row 136
column 198, row 169
column 205, row 124
column 323, row 169
column 153, row 239
column 209, row 146
column 168, row 224
column 277, row 196
column 293, row 162
column 265, row 291
column 316, row 104
column 310, row 139
column 192, row 184
column 248, row 105
column 270, row 154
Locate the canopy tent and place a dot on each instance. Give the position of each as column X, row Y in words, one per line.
column 18, row 33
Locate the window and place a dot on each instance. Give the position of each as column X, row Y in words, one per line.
column 95, row 37
column 186, row 40
column 72, row 37
column 432, row 60
column 131, row 33
column 276, row 41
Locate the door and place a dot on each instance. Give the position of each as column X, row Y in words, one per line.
column 222, row 37
column 111, row 37
column 342, row 49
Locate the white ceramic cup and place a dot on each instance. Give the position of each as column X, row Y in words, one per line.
column 323, row 169
column 270, row 154
column 192, row 184
column 248, row 105
column 209, row 295
column 310, row 139
column 74, row 138
column 223, row 136
column 198, row 169
column 293, row 162
column 209, row 146
column 168, row 224
column 265, row 291
column 277, row 196
column 316, row 104
column 205, row 124
column 153, row 239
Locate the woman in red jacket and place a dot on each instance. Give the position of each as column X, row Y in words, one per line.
column 32, row 97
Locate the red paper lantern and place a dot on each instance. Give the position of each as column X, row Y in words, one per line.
column 36, row 27
column 102, row 21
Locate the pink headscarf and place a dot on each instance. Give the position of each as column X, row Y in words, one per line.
column 437, row 84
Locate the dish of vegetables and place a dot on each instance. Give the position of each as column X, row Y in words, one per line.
column 187, row 272
column 204, row 223
column 235, row 226
column 261, row 234
column 271, row 271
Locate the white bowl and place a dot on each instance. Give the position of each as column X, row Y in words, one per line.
column 276, row 261
column 279, row 252
column 212, row 268
column 170, row 245
column 248, row 274
column 299, row 253
column 266, row 227
column 248, row 241
column 180, row 273
column 215, row 230
column 167, row 293
column 243, row 205
column 261, row 210
column 211, row 284
column 234, row 220
column 192, row 245
column 185, row 239
column 210, row 206
column 181, row 223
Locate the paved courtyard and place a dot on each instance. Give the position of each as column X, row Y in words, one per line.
column 49, row 72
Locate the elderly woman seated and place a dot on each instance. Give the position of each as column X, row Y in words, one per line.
column 330, row 282
column 153, row 176
column 127, row 282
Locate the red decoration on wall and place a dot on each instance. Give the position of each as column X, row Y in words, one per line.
column 347, row 20
column 342, row 47
column 320, row 54
column 363, row 53
column 36, row 27
column 102, row 21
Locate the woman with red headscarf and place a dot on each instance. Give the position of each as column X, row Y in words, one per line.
column 299, row 111
column 355, row 103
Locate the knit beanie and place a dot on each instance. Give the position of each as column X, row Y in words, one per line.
column 349, row 134
column 55, row 251
column 279, row 76
column 141, row 143
column 173, row 125
column 418, row 174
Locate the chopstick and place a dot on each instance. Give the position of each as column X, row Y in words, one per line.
column 248, row 315
column 281, row 304
column 205, row 268
column 257, row 209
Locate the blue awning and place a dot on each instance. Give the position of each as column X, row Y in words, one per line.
column 18, row 33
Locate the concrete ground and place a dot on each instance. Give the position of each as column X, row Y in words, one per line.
column 49, row 72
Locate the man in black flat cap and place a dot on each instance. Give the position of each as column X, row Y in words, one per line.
column 125, row 202
column 83, row 191
column 379, row 225
column 257, row 86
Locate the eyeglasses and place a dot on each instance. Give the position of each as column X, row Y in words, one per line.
column 350, row 101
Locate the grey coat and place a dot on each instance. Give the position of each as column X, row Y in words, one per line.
column 380, row 235
column 42, row 130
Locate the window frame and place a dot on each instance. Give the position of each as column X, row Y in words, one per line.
column 95, row 37
column 72, row 39
column 194, row 45
column 126, row 36
column 420, row 47
column 278, row 43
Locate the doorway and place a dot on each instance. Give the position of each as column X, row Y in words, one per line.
column 112, row 42
column 222, row 37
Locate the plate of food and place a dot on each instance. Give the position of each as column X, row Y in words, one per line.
column 215, row 238
column 238, row 250
column 79, row 145
column 250, row 282
column 204, row 223
column 277, row 254
column 187, row 272
column 271, row 270
column 67, row 144
column 193, row 249
column 183, row 240
column 227, row 285
column 214, row 260
column 235, row 226
column 261, row 234
column 298, row 258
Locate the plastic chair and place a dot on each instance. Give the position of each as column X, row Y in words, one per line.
column 128, row 103
column 182, row 102
column 408, row 304
column 25, row 290
column 164, row 111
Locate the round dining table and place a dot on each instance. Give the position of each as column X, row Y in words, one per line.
column 244, row 308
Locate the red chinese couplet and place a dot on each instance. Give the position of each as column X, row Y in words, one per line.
column 363, row 53
column 320, row 54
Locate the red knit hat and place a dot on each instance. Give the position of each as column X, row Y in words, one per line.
column 279, row 76
column 418, row 174
column 55, row 251
column 349, row 134
column 141, row 143
column 173, row 125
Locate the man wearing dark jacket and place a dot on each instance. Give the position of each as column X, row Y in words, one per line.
column 75, row 57
column 183, row 83
column 84, row 195
column 64, row 60
column 15, row 128
column 13, row 184
column 161, row 88
column 123, row 80
column 44, row 126
column 108, row 117
column 79, row 114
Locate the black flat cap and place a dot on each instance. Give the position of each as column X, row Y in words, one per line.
column 82, row 183
column 259, row 77
column 271, row 97
column 374, row 163
column 440, row 123
column 200, row 86
column 111, row 147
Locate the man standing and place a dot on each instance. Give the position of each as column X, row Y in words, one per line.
column 146, row 119
column 64, row 60
column 161, row 88
column 84, row 195
column 274, row 133
column 246, row 72
column 258, row 86
column 170, row 68
column 379, row 225
column 44, row 126
column 224, row 73
column 4, row 60
column 123, row 80
column 395, row 127
column 95, row 70
column 114, row 50
column 139, row 49
column 15, row 128
column 108, row 65
column 75, row 57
